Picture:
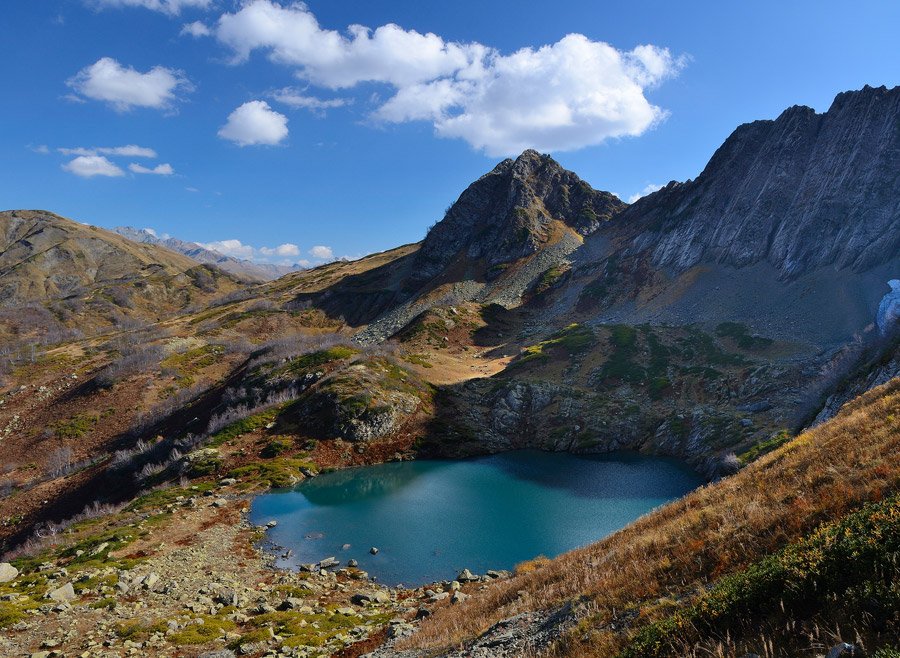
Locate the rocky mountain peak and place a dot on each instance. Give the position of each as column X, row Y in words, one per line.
column 511, row 212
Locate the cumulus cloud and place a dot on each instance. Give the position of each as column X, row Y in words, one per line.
column 568, row 95
column 563, row 96
column 163, row 169
column 125, row 88
column 284, row 250
column 283, row 254
column 297, row 99
column 649, row 189
column 196, row 29
column 292, row 35
column 130, row 151
column 255, row 123
column 322, row 252
column 88, row 166
column 234, row 248
column 171, row 7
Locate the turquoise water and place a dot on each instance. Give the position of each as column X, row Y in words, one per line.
column 429, row 519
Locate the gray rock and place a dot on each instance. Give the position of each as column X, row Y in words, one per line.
column 150, row 581
column 62, row 594
column 373, row 551
column 378, row 596
column 7, row 572
column 228, row 597
column 292, row 603
column 466, row 576
column 756, row 407
column 458, row 597
column 328, row 563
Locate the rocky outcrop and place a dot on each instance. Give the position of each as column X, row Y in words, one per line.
column 801, row 192
column 487, row 417
column 865, row 379
column 507, row 214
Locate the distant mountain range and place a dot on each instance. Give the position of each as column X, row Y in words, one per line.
column 240, row 267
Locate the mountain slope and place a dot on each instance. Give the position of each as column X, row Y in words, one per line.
column 90, row 276
column 801, row 192
column 792, row 228
column 239, row 267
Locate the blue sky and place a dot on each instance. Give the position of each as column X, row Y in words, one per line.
column 272, row 124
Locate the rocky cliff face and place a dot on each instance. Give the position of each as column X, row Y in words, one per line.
column 801, row 192
column 509, row 212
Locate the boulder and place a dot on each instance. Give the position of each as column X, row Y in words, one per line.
column 458, row 597
column 150, row 580
column 373, row 551
column 466, row 576
column 228, row 597
column 328, row 563
column 7, row 572
column 378, row 596
column 291, row 603
column 62, row 594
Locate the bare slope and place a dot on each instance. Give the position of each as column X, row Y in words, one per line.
column 88, row 276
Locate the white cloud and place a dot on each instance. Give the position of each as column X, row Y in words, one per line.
column 41, row 149
column 196, row 29
column 151, row 231
column 388, row 54
column 567, row 95
column 171, row 7
column 131, row 150
column 650, row 188
column 285, row 250
column 125, row 88
column 296, row 98
column 283, row 254
column 88, row 166
column 163, row 169
column 234, row 248
column 322, row 252
column 255, row 123
column 192, row 190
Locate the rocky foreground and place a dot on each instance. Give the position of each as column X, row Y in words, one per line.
column 180, row 573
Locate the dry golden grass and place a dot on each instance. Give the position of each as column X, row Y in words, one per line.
column 715, row 530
